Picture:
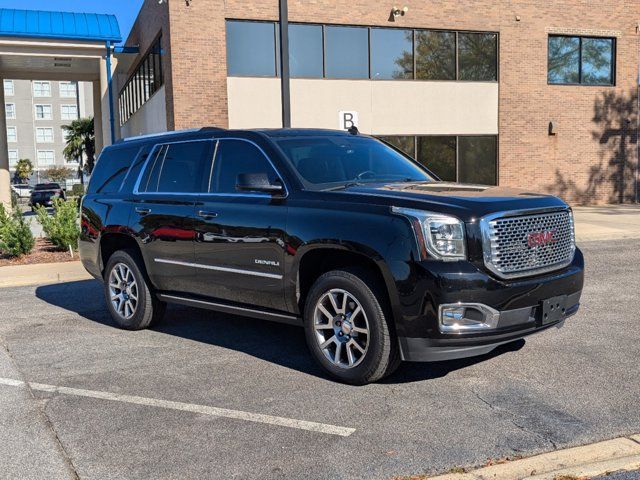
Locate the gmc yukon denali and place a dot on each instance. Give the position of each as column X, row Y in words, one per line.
column 337, row 232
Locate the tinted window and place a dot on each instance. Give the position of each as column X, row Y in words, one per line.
column 581, row 60
column 251, row 49
column 405, row 143
column 347, row 52
column 438, row 154
column 305, row 51
column 342, row 158
column 391, row 53
column 435, row 55
column 597, row 61
column 233, row 158
column 477, row 160
column 478, row 56
column 564, row 60
column 178, row 168
column 110, row 169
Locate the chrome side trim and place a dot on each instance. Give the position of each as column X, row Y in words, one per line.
column 219, row 269
column 231, row 307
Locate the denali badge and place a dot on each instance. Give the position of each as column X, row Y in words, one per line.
column 267, row 262
column 537, row 239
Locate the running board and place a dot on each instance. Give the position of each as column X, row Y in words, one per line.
column 233, row 309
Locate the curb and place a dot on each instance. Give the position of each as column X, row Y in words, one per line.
column 587, row 461
column 42, row 274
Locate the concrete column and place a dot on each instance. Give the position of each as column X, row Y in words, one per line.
column 5, row 177
column 97, row 116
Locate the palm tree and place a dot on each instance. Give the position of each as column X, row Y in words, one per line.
column 80, row 144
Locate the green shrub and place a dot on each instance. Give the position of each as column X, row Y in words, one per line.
column 77, row 190
column 62, row 227
column 15, row 234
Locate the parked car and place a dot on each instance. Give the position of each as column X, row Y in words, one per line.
column 365, row 248
column 44, row 194
column 23, row 190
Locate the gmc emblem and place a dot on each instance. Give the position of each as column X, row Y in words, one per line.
column 537, row 239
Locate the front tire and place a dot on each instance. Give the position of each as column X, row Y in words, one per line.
column 348, row 329
column 128, row 293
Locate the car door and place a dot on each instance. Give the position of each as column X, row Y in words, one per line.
column 162, row 217
column 239, row 245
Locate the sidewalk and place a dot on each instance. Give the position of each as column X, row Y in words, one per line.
column 42, row 274
column 617, row 455
column 607, row 222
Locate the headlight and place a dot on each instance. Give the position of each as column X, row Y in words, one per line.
column 440, row 235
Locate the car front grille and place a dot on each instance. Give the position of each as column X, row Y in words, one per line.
column 528, row 244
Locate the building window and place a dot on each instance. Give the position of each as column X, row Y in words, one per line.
column 8, row 88
column 45, row 157
column 43, row 112
column 13, row 157
column 349, row 52
column 305, row 51
column 581, row 60
column 41, row 89
column 391, row 54
column 346, row 52
column 10, row 111
column 435, row 55
column 68, row 112
column 67, row 89
column 251, row 49
column 478, row 57
column 143, row 82
column 464, row 159
column 44, row 134
column 12, row 134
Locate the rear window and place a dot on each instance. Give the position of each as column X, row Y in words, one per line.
column 111, row 168
column 47, row 186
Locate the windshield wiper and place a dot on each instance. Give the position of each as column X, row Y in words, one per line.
column 342, row 187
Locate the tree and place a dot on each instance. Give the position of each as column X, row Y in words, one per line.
column 80, row 145
column 24, row 169
column 57, row 174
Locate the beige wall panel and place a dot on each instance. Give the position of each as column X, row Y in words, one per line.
column 428, row 108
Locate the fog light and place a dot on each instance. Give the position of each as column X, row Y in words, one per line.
column 467, row 317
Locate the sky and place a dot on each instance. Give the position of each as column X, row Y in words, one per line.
column 125, row 10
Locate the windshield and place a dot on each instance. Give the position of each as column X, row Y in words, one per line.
column 336, row 160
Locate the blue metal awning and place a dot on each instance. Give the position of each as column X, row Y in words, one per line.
column 61, row 25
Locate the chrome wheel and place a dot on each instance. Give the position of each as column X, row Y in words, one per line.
column 123, row 291
column 341, row 328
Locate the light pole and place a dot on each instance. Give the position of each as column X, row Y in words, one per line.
column 284, row 64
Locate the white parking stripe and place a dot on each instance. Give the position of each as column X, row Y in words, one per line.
column 188, row 407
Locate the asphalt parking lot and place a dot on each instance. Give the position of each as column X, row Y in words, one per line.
column 204, row 395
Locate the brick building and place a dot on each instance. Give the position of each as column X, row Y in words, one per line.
column 540, row 95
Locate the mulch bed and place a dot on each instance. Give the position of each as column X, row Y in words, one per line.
column 43, row 252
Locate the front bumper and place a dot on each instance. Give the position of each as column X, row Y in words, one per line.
column 519, row 302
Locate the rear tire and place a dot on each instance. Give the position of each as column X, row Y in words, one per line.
column 128, row 292
column 355, row 342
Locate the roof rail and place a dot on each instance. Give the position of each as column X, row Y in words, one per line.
column 161, row 134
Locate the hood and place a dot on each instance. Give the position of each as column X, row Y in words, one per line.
column 467, row 202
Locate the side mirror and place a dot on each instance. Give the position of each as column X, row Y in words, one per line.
column 258, row 182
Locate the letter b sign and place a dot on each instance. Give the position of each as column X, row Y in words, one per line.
column 347, row 119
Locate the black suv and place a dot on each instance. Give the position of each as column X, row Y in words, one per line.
column 337, row 232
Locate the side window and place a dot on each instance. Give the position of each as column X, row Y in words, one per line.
column 111, row 168
column 233, row 158
column 177, row 168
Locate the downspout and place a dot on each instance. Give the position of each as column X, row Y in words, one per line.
column 110, row 93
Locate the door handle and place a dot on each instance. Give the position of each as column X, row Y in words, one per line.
column 143, row 211
column 207, row 215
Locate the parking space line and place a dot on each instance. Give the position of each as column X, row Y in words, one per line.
column 188, row 407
